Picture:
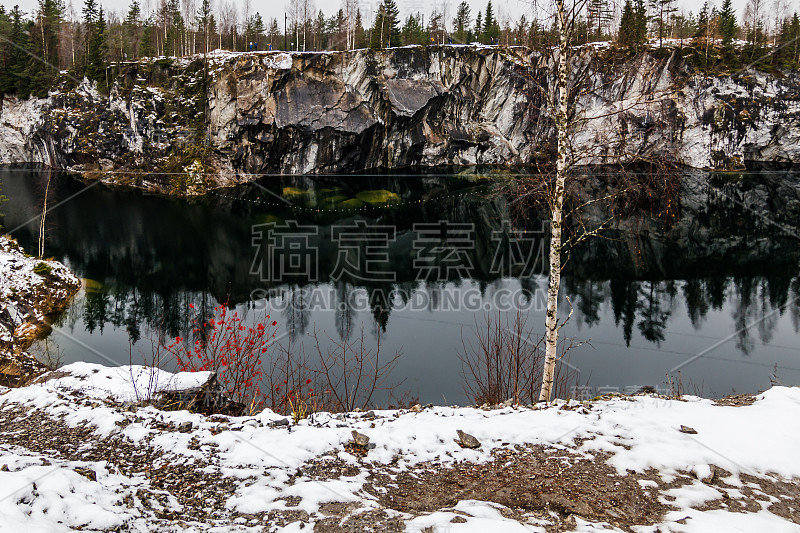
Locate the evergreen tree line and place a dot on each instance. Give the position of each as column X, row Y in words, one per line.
column 35, row 46
column 770, row 38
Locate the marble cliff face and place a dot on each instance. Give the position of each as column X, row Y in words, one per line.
column 331, row 112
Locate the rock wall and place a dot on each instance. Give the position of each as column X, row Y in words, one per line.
column 414, row 106
column 30, row 291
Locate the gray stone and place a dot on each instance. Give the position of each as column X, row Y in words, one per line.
column 359, row 439
column 465, row 440
column 88, row 473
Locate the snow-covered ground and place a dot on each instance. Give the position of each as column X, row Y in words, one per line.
column 713, row 467
column 29, row 289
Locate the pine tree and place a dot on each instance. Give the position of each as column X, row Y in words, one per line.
column 684, row 26
column 386, row 30
column 96, row 58
column 479, row 27
column 535, row 34
column 413, row 32
column 44, row 45
column 254, row 30
column 206, row 23
column 274, row 34
column 627, row 26
column 90, row 11
column 705, row 28
column 148, row 29
column 359, row 38
column 173, row 43
column 521, row 31
column 17, row 80
column 702, row 22
column 641, row 21
column 790, row 39
column 392, row 22
column 320, row 31
column 728, row 28
column 133, row 29
column 461, row 23
column 5, row 49
column 491, row 29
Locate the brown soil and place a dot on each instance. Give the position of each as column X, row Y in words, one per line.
column 535, row 484
column 538, row 480
column 739, row 400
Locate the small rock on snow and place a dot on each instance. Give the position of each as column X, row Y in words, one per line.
column 88, row 473
column 465, row 440
column 360, row 439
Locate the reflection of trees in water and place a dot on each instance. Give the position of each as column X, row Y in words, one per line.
column 296, row 314
column 624, row 296
column 345, row 314
column 744, row 312
column 649, row 305
column 794, row 310
column 587, row 297
column 696, row 296
column 154, row 274
column 756, row 301
column 138, row 313
column 655, row 305
column 380, row 303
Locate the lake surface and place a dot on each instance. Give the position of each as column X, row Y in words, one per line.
column 422, row 258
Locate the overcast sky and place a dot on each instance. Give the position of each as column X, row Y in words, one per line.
column 276, row 8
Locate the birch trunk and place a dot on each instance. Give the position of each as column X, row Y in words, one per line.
column 556, row 213
column 42, row 222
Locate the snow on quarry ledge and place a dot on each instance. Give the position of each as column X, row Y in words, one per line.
column 262, row 455
column 29, row 289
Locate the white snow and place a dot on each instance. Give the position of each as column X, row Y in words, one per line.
column 17, row 281
column 124, row 384
column 642, row 432
column 42, row 495
column 479, row 517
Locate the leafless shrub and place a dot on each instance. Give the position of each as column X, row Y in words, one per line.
column 774, row 379
column 149, row 362
column 677, row 388
column 402, row 400
column 290, row 378
column 504, row 360
column 351, row 371
column 675, row 385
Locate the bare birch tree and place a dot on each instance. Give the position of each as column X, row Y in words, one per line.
column 350, row 10
column 564, row 16
column 229, row 19
column 579, row 140
column 307, row 11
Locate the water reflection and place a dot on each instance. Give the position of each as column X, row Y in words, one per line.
column 728, row 265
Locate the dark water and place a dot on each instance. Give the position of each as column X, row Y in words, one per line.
column 422, row 258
